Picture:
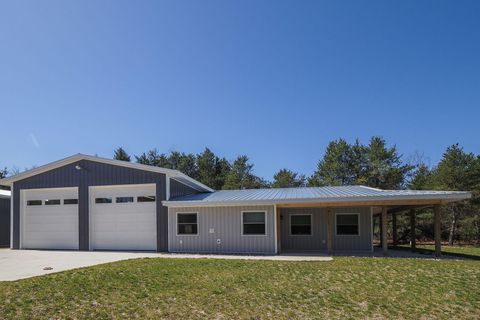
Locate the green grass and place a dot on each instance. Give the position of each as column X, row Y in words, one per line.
column 232, row 289
column 465, row 251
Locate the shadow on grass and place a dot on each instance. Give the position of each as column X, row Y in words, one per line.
column 432, row 252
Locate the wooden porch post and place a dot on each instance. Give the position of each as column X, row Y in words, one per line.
column 437, row 230
column 279, row 230
column 412, row 230
column 329, row 231
column 384, row 231
column 394, row 229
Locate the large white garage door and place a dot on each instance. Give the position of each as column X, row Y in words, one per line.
column 49, row 218
column 123, row 217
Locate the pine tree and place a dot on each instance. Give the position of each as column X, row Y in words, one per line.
column 121, row 154
column 288, row 179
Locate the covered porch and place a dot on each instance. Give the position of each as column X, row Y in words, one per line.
column 342, row 227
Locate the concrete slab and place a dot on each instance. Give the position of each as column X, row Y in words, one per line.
column 21, row 264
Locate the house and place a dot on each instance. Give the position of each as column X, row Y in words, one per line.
column 4, row 218
column 91, row 203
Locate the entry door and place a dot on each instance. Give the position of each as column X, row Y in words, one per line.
column 123, row 217
column 49, row 218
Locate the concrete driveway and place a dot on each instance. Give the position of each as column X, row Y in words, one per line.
column 21, row 264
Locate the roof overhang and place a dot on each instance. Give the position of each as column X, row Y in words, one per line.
column 173, row 174
column 399, row 200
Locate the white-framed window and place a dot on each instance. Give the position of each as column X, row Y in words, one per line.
column 254, row 223
column 124, row 199
column 301, row 224
column 34, row 202
column 70, row 201
column 146, row 199
column 187, row 223
column 52, row 202
column 103, row 200
column 347, row 224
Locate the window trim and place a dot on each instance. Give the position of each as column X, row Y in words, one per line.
column 103, row 203
column 290, row 224
column 187, row 234
column 253, row 235
column 127, row 202
column 347, row 214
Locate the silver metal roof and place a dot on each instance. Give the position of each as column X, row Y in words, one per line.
column 316, row 194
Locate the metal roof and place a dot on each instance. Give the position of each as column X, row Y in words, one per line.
column 174, row 174
column 306, row 195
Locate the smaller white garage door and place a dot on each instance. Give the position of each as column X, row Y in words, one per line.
column 49, row 218
column 123, row 217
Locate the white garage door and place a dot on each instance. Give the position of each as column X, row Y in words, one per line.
column 123, row 217
column 49, row 218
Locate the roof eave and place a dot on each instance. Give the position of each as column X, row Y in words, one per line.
column 78, row 157
column 458, row 196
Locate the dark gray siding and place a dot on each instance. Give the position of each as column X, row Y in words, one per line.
column 316, row 241
column 92, row 174
column 178, row 189
column 4, row 222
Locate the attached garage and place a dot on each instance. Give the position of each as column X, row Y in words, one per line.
column 49, row 218
column 123, row 217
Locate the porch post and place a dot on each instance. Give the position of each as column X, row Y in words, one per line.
column 329, row 231
column 279, row 230
column 394, row 229
column 412, row 230
column 384, row 231
column 437, row 230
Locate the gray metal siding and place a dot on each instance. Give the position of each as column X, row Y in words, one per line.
column 363, row 242
column 92, row 174
column 178, row 189
column 227, row 225
column 316, row 241
column 4, row 222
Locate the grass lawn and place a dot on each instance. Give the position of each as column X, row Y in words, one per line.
column 231, row 289
column 455, row 250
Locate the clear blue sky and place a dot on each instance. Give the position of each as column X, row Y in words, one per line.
column 275, row 80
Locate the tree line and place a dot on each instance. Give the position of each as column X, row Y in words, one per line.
column 375, row 164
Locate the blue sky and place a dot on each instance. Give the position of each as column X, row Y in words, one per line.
column 276, row 80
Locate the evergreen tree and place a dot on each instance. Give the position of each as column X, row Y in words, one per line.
column 288, row 179
column 121, row 154
column 384, row 166
column 241, row 176
column 212, row 171
column 182, row 162
column 153, row 158
column 458, row 170
column 335, row 167
column 3, row 173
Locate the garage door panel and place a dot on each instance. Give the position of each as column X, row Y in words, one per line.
column 49, row 226
column 123, row 226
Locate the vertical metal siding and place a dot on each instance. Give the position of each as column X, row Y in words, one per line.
column 316, row 241
column 363, row 242
column 4, row 222
column 227, row 225
column 178, row 189
column 92, row 174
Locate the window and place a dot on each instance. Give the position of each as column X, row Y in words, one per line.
column 187, row 223
column 301, row 224
column 103, row 200
column 34, row 202
column 124, row 199
column 146, row 199
column 253, row 223
column 347, row 224
column 70, row 201
column 52, row 202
